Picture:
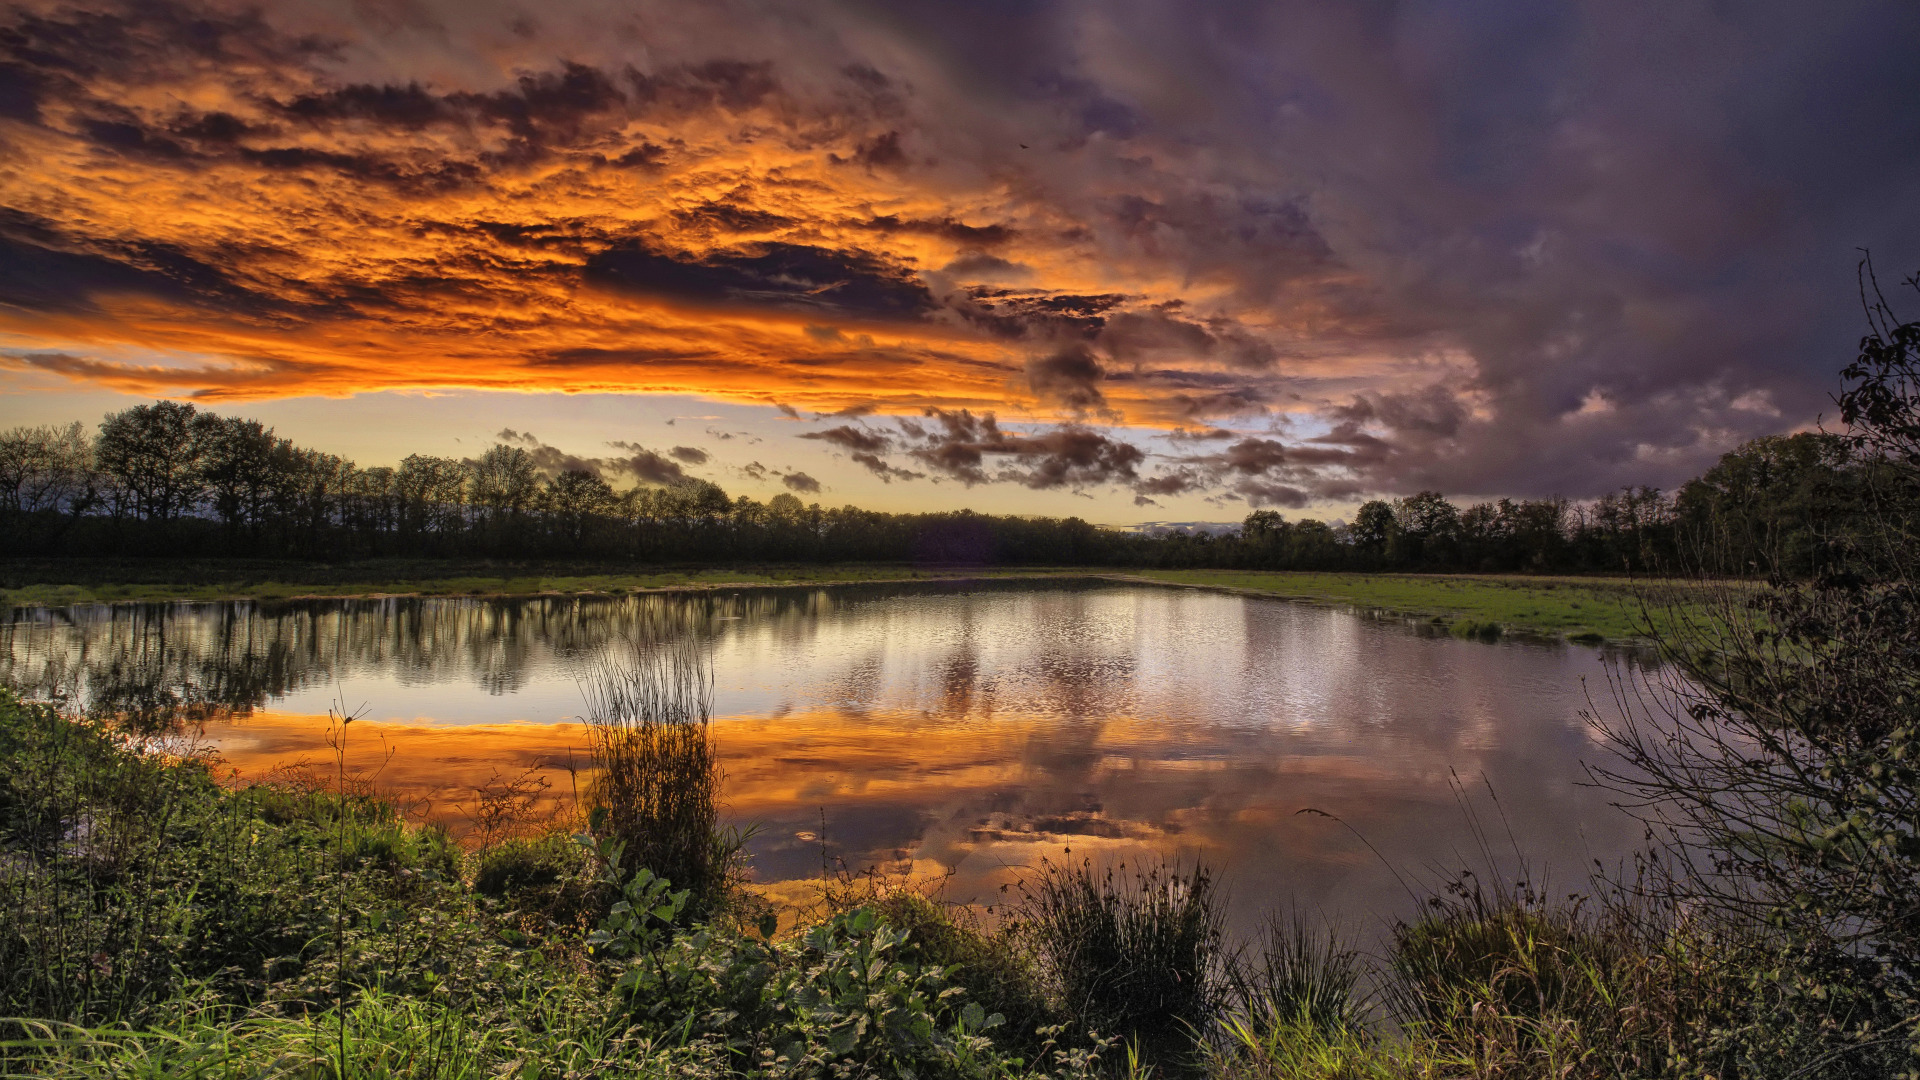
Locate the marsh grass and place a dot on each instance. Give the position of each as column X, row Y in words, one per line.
column 1299, row 973
column 657, row 786
column 540, row 1033
column 1137, row 953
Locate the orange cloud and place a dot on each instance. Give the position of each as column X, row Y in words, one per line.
column 266, row 226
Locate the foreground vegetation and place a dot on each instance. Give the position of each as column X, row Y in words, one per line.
column 154, row 923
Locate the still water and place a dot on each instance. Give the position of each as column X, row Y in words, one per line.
column 959, row 732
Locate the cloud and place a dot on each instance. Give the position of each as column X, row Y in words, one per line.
column 1426, row 235
column 848, row 437
column 1069, row 378
column 799, row 481
column 646, row 466
column 879, row 467
column 689, row 454
column 960, row 445
column 800, row 277
column 549, row 460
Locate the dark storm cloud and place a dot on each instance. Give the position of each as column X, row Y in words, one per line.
column 646, row 466
column 1653, row 206
column 1180, row 435
column 978, row 236
column 879, row 467
column 960, row 445
column 1260, row 493
column 44, row 268
column 732, row 215
column 797, row 276
column 1159, row 334
column 1016, row 313
column 1069, row 378
column 547, row 107
column 866, row 448
column 848, row 437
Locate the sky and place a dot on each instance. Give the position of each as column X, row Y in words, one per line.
column 1131, row 260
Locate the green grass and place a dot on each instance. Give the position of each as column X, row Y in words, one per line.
column 56, row 584
column 1580, row 609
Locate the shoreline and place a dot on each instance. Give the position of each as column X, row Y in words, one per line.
column 1593, row 611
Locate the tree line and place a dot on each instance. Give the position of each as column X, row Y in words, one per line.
column 166, row 479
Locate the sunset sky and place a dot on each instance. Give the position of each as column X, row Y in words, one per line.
column 1127, row 260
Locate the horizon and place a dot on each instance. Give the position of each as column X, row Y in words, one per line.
column 1050, row 260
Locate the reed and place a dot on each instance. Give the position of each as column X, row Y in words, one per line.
column 657, row 789
column 1303, row 975
column 1138, row 954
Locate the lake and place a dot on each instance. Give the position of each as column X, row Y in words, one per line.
column 941, row 730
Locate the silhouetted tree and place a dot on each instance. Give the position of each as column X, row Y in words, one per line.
column 47, row 483
column 1373, row 528
column 236, row 461
column 575, row 501
column 150, row 450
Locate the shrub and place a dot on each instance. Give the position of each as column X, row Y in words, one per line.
column 842, row 999
column 1510, row 983
column 994, row 969
column 519, row 865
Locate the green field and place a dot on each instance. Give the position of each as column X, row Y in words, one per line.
column 1582, row 609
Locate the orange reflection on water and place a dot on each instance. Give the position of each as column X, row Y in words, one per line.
column 431, row 771
column 908, row 792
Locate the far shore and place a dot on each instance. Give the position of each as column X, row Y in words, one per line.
column 1583, row 609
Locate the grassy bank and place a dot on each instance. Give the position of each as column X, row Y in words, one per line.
column 52, row 583
column 1578, row 608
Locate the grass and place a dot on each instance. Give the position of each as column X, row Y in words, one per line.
column 1139, row 953
column 1483, row 606
column 656, row 791
column 26, row 583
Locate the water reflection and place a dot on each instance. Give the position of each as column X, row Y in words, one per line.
column 947, row 731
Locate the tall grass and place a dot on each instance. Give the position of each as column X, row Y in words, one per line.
column 657, row 791
column 1305, row 975
column 86, row 870
column 1137, row 954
